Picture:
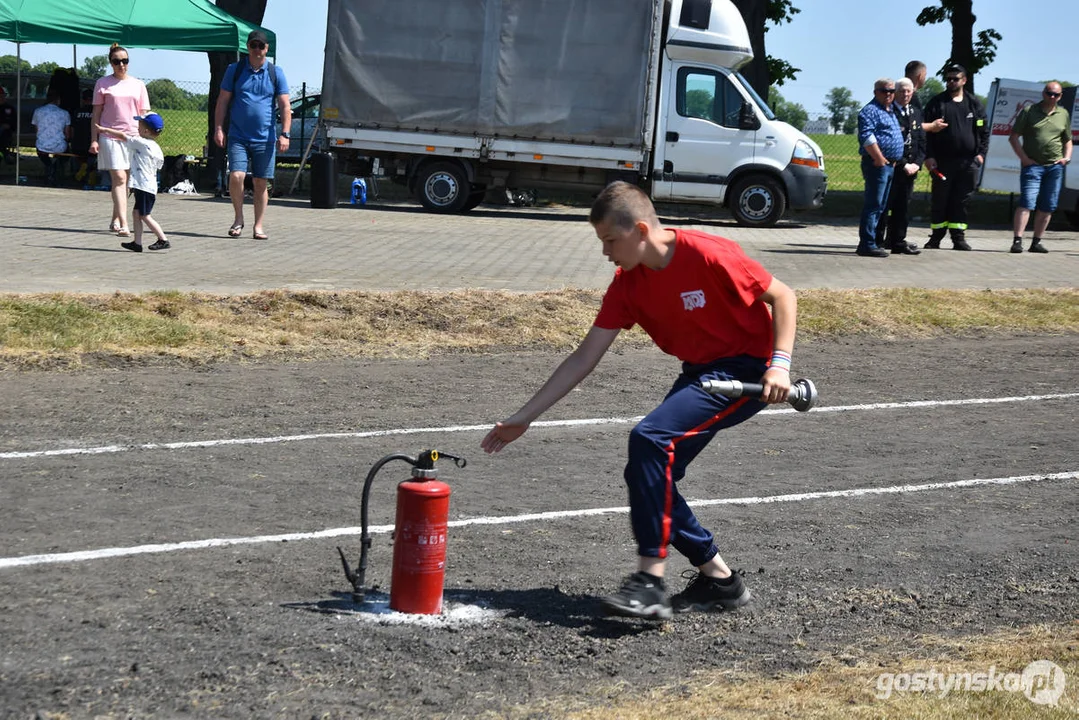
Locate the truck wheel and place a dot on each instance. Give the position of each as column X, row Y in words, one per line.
column 479, row 192
column 442, row 187
column 757, row 201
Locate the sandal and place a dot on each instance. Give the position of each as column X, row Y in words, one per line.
column 259, row 235
column 114, row 226
column 123, row 232
column 235, row 230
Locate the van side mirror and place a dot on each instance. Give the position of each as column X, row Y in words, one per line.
column 747, row 118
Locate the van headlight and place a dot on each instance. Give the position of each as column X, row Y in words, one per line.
column 806, row 156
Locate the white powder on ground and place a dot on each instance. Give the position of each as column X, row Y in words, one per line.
column 376, row 609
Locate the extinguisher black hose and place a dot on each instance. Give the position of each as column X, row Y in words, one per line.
column 357, row 579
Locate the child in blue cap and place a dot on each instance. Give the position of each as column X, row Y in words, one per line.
column 146, row 160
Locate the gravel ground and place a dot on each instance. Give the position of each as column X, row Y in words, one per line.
column 266, row 629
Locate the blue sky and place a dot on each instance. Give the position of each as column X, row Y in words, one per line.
column 847, row 43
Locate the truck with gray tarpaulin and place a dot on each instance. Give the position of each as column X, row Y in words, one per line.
column 453, row 98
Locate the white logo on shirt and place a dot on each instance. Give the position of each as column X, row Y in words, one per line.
column 693, row 299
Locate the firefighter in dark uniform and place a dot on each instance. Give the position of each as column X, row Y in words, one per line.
column 956, row 153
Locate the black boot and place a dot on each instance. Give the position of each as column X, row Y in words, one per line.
column 959, row 240
column 935, row 238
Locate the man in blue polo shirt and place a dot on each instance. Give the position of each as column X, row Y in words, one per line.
column 880, row 143
column 249, row 91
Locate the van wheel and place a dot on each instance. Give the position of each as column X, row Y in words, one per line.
column 757, row 201
column 442, row 187
column 479, row 192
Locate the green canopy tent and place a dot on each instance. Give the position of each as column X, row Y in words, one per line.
column 195, row 25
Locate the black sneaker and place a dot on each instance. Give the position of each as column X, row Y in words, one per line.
column 1017, row 246
column 1037, row 247
column 161, row 245
column 705, row 593
column 872, row 252
column 641, row 596
column 132, row 246
column 960, row 245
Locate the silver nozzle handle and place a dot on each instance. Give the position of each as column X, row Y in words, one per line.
column 802, row 397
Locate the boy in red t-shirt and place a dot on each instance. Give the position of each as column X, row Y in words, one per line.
column 701, row 299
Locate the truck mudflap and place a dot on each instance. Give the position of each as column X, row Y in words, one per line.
column 806, row 186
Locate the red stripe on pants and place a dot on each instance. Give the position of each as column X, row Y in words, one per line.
column 668, row 499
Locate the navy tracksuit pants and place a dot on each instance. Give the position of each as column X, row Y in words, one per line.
column 666, row 441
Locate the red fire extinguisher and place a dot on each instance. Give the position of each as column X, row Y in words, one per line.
column 419, row 548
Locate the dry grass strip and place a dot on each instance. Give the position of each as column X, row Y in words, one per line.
column 63, row 330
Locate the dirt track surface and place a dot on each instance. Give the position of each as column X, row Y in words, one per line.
column 266, row 629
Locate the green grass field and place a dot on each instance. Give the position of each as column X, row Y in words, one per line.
column 843, row 164
column 185, row 132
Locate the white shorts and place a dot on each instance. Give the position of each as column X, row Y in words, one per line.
column 112, row 154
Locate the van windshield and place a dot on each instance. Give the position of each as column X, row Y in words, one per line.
column 763, row 106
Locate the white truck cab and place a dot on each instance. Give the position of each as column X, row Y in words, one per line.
column 716, row 140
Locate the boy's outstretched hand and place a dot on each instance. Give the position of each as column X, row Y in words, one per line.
column 501, row 435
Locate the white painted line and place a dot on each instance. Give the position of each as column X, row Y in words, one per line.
column 103, row 553
column 105, row 449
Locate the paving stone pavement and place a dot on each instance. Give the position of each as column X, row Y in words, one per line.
column 54, row 240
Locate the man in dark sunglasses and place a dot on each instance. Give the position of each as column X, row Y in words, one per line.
column 251, row 91
column 954, row 156
column 1042, row 138
column 880, row 143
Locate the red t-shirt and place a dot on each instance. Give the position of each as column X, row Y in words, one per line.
column 705, row 305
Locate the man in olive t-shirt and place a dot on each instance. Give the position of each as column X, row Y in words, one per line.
column 1046, row 148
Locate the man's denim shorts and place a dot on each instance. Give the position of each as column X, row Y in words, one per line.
column 1040, row 184
column 256, row 158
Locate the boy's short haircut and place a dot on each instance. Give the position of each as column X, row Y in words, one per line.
column 623, row 205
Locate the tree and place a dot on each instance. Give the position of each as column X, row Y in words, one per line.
column 931, row 88
column 791, row 113
column 45, row 67
column 699, row 104
column 971, row 55
column 95, row 67
column 11, row 63
column 164, row 94
column 764, row 70
column 850, row 123
column 840, row 104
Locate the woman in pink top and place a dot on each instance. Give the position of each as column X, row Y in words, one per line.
column 118, row 98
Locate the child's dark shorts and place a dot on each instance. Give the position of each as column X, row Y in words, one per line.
column 144, row 201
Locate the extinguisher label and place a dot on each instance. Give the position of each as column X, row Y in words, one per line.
column 423, row 548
